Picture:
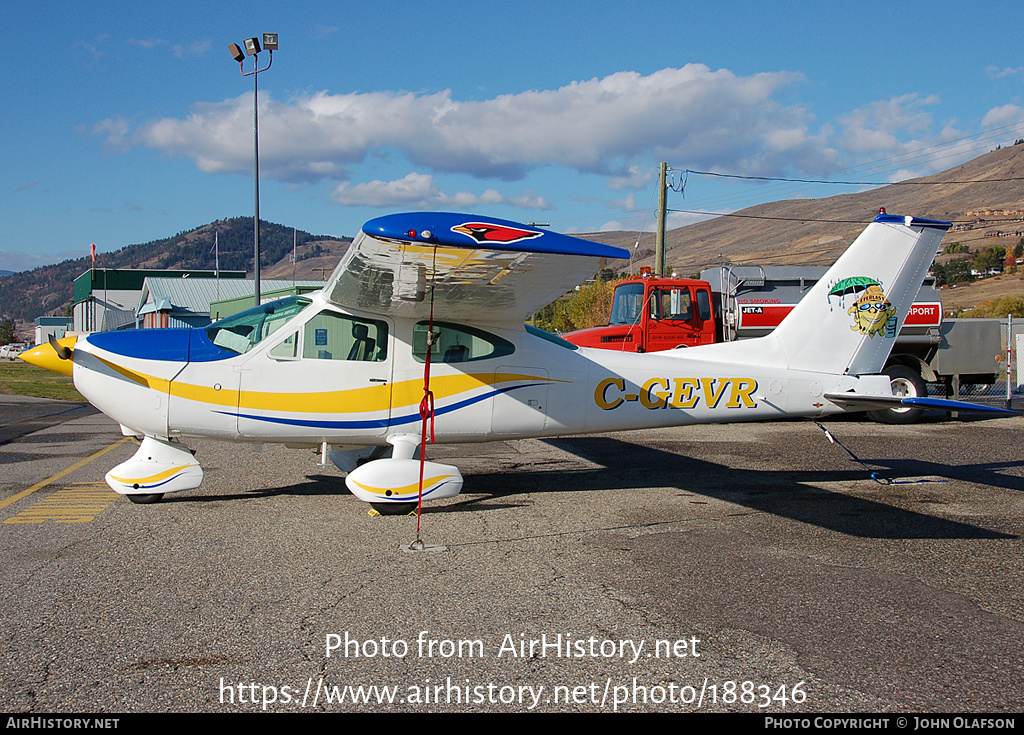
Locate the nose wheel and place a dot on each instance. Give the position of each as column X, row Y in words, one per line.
column 394, row 509
column 146, row 499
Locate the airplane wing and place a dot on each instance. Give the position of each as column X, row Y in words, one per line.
column 479, row 268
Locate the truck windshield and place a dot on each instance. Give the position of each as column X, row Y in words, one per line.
column 628, row 304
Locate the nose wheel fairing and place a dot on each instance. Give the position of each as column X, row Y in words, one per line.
column 397, row 479
column 157, row 467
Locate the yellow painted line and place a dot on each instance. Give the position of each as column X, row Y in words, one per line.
column 68, row 505
column 43, row 483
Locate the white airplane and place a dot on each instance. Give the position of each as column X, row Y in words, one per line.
column 423, row 317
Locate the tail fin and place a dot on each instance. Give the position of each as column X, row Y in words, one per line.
column 848, row 322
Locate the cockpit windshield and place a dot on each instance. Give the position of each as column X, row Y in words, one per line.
column 243, row 331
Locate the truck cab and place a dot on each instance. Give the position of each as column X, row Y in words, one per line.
column 653, row 314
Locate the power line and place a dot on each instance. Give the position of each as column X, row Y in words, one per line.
column 762, row 216
column 708, row 214
column 853, row 183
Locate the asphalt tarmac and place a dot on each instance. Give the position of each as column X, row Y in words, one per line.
column 751, row 568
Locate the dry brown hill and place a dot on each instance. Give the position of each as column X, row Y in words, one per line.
column 816, row 231
column 312, row 265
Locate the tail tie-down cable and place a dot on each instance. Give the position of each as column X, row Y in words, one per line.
column 881, row 480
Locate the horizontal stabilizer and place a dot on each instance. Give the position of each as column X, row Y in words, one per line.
column 861, row 402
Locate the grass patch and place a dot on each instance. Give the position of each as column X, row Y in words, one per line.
column 21, row 379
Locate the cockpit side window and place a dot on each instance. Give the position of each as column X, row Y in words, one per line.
column 243, row 331
column 333, row 336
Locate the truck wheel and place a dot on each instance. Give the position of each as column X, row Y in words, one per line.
column 905, row 382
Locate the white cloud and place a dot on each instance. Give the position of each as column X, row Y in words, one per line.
column 881, row 127
column 1002, row 115
column 116, row 131
column 418, row 191
column 614, row 126
column 19, row 261
column 647, row 223
column 711, row 119
column 635, row 178
column 899, row 133
column 628, row 204
column 322, row 31
column 996, row 73
column 196, row 48
column 146, row 43
column 527, row 200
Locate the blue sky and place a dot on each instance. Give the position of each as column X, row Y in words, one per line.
column 125, row 123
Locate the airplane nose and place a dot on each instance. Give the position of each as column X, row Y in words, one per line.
column 45, row 356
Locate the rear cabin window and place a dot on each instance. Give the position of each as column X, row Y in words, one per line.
column 457, row 343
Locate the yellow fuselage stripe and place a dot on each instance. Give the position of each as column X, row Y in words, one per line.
column 355, row 400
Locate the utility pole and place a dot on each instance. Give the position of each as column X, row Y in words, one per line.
column 659, row 241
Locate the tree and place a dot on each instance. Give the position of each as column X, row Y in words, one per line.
column 7, row 332
column 998, row 308
column 990, row 257
column 590, row 306
column 958, row 271
column 587, row 306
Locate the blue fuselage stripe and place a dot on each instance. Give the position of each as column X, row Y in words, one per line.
column 373, row 423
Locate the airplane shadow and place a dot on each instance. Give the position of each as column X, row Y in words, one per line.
column 314, row 485
column 788, row 494
column 791, row 494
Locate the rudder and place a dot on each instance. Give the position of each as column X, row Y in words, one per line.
column 848, row 322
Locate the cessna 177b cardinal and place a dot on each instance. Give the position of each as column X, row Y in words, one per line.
column 418, row 335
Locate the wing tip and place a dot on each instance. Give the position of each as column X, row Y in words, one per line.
column 453, row 229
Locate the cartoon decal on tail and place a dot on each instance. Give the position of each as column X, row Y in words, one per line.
column 873, row 314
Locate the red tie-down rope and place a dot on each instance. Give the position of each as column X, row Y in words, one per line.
column 427, row 403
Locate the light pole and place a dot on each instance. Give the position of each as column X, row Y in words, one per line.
column 252, row 48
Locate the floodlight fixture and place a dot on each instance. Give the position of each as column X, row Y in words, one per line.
column 252, row 48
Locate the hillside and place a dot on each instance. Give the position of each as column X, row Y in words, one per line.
column 47, row 290
column 816, row 231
